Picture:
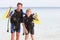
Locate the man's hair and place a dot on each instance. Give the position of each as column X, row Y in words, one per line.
column 19, row 4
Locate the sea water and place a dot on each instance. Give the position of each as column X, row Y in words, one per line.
column 48, row 29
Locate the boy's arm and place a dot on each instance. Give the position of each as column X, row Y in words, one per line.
column 24, row 29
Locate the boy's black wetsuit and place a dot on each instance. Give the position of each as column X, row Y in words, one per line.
column 29, row 24
column 15, row 20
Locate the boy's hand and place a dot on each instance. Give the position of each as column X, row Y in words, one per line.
column 35, row 16
column 24, row 29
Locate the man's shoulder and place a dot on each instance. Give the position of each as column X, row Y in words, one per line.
column 24, row 15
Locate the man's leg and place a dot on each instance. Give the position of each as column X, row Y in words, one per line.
column 17, row 35
column 12, row 32
column 12, row 36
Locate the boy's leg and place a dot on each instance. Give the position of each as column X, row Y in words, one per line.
column 26, row 37
column 12, row 36
column 32, row 36
column 27, row 34
column 17, row 35
column 24, row 29
column 32, row 33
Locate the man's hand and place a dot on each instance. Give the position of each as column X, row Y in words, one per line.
column 7, row 16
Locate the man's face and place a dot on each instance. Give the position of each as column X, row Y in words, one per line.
column 19, row 6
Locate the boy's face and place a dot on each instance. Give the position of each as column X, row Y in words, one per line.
column 29, row 12
column 19, row 6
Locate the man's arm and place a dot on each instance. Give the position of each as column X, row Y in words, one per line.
column 9, row 14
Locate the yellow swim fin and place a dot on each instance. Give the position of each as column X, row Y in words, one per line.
column 36, row 20
column 7, row 12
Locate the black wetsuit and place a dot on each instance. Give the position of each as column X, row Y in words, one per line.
column 15, row 20
column 29, row 24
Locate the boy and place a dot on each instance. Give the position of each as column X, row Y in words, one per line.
column 28, row 24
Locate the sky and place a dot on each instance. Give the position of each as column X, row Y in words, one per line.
column 30, row 3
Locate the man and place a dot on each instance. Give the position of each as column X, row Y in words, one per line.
column 16, row 19
column 28, row 24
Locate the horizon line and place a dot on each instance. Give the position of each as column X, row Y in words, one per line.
column 32, row 7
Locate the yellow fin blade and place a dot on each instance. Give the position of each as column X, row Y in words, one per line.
column 7, row 12
column 36, row 21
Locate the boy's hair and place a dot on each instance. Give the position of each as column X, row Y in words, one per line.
column 27, row 10
column 19, row 4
